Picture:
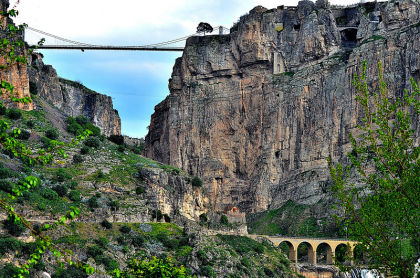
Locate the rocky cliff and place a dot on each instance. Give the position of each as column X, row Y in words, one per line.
column 15, row 73
column 257, row 112
column 73, row 98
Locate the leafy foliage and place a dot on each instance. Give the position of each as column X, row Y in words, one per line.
column 14, row 114
column 154, row 267
column 383, row 212
column 92, row 142
column 52, row 133
column 204, row 27
column 196, row 182
column 117, row 139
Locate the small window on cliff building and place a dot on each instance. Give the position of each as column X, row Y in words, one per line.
column 277, row 154
column 296, row 27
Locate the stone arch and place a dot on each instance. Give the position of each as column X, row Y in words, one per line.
column 342, row 252
column 291, row 250
column 324, row 253
column 305, row 247
column 349, row 37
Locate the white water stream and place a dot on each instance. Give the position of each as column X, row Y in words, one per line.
column 364, row 273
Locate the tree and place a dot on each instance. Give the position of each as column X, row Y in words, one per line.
column 379, row 189
column 157, row 268
column 204, row 27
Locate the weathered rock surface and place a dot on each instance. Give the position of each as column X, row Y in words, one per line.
column 257, row 112
column 14, row 73
column 73, row 98
column 173, row 194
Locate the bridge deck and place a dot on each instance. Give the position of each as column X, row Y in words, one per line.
column 130, row 48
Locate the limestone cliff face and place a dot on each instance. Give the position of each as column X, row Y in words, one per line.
column 14, row 73
column 257, row 112
column 73, row 98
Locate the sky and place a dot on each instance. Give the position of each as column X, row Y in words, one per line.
column 135, row 80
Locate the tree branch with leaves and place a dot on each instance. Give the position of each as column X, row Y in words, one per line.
column 381, row 201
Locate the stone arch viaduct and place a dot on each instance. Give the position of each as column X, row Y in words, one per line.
column 293, row 243
column 330, row 245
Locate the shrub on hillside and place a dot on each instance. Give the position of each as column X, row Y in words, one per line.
column 82, row 120
column 9, row 244
column 74, row 128
column 46, row 142
column 139, row 190
column 121, row 148
column 30, row 123
column 74, row 196
column 196, row 182
column 4, row 173
column 93, row 202
column 6, row 186
column 3, row 110
column 224, row 220
column 114, row 204
column 71, row 272
column 77, row 158
column 14, row 114
column 72, row 184
column 92, row 142
column 106, row 224
column 95, row 130
column 9, row 270
column 61, row 190
column 52, row 134
column 62, row 175
column 117, row 139
column 15, row 229
column 48, row 193
column 137, row 241
column 24, row 134
column 125, row 229
column 85, row 150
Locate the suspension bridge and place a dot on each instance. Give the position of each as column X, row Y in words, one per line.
column 67, row 44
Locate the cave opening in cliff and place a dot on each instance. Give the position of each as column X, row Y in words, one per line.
column 349, row 37
column 296, row 27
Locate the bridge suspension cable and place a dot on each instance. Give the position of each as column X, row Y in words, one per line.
column 161, row 46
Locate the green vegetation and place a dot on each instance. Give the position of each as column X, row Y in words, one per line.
column 294, row 219
column 117, row 139
column 383, row 212
column 52, row 134
column 154, row 267
column 92, row 142
column 14, row 113
column 78, row 125
column 196, row 182
column 243, row 245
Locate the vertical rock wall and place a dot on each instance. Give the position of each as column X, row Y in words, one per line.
column 14, row 73
column 257, row 112
column 73, row 98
